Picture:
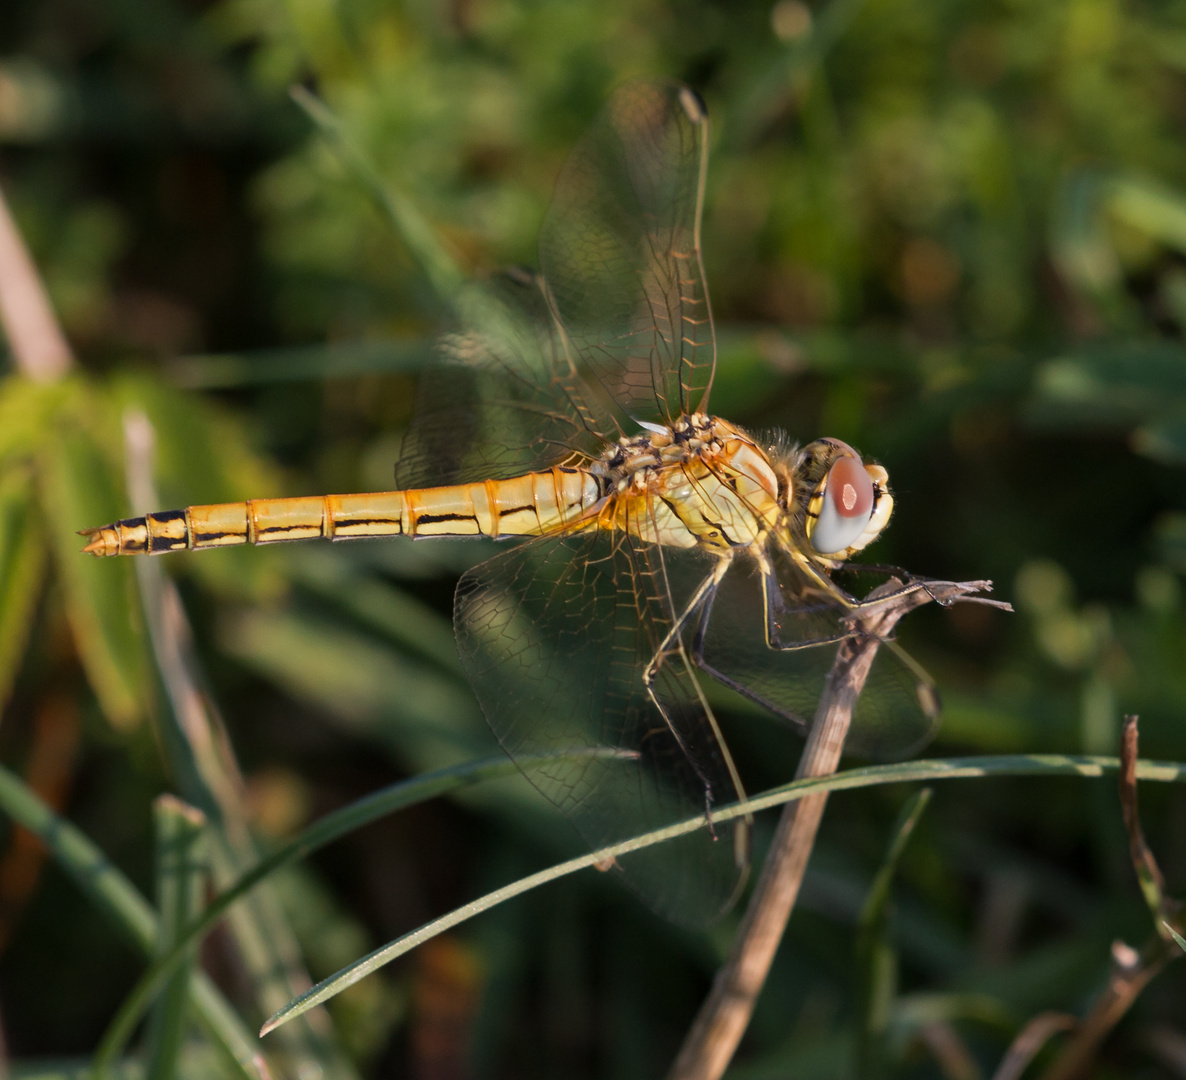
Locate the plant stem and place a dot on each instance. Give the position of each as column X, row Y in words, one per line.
column 725, row 1014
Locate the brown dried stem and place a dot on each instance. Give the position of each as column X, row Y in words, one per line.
column 1148, row 872
column 722, row 1020
column 39, row 347
column 1030, row 1040
column 1131, row 971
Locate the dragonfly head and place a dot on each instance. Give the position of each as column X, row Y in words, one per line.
column 838, row 504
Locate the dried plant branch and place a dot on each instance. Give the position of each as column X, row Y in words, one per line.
column 1029, row 1041
column 1131, row 971
column 1149, row 874
column 950, row 1052
column 171, row 639
column 208, row 775
column 722, row 1020
column 39, row 347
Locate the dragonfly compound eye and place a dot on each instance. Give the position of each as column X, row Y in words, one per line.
column 845, row 508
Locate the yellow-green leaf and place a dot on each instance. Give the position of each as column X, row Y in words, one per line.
column 78, row 491
column 22, row 566
column 27, row 409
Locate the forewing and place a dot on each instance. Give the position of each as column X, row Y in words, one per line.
column 620, row 251
column 554, row 636
column 897, row 711
column 501, row 397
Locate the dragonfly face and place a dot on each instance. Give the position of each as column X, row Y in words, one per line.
column 839, row 505
column 661, row 548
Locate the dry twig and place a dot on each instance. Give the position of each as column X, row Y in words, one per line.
column 950, row 1052
column 1131, row 971
column 722, row 1020
column 1036, row 1034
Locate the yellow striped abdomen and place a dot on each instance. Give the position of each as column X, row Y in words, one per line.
column 528, row 505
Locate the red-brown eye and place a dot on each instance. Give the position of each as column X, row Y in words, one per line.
column 847, row 507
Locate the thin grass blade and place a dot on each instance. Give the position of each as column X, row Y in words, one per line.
column 181, row 881
column 437, row 265
column 113, row 894
column 331, row 827
column 22, row 570
column 208, row 776
column 876, row 958
column 902, row 772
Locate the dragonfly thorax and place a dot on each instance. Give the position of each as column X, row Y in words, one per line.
column 699, row 482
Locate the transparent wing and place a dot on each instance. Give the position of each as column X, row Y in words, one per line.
column 897, row 712
column 501, row 397
column 554, row 636
column 620, row 251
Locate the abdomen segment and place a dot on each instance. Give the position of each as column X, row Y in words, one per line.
column 528, row 505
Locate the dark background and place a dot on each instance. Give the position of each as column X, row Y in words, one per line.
column 950, row 233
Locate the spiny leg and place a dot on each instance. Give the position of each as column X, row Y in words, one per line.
column 699, row 659
column 833, row 598
column 912, row 582
column 706, row 589
column 671, row 646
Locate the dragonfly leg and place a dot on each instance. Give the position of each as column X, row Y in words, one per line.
column 699, row 659
column 911, row 581
column 834, row 598
column 705, row 591
column 672, row 649
column 775, row 606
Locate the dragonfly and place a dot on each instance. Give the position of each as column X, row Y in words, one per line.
column 654, row 548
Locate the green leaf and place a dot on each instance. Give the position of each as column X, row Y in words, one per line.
column 201, row 760
column 1164, row 441
column 1114, row 385
column 79, row 491
column 27, row 411
column 380, row 606
column 22, row 569
column 181, row 883
column 425, row 717
column 1152, row 207
column 1078, row 240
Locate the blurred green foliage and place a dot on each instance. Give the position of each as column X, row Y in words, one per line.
column 953, row 234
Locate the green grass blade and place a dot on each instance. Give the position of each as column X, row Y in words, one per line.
column 385, row 801
column 208, row 776
column 181, row 880
column 870, row 776
column 22, row 569
column 876, row 960
column 437, row 265
column 118, row 898
column 380, row 606
column 312, row 363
